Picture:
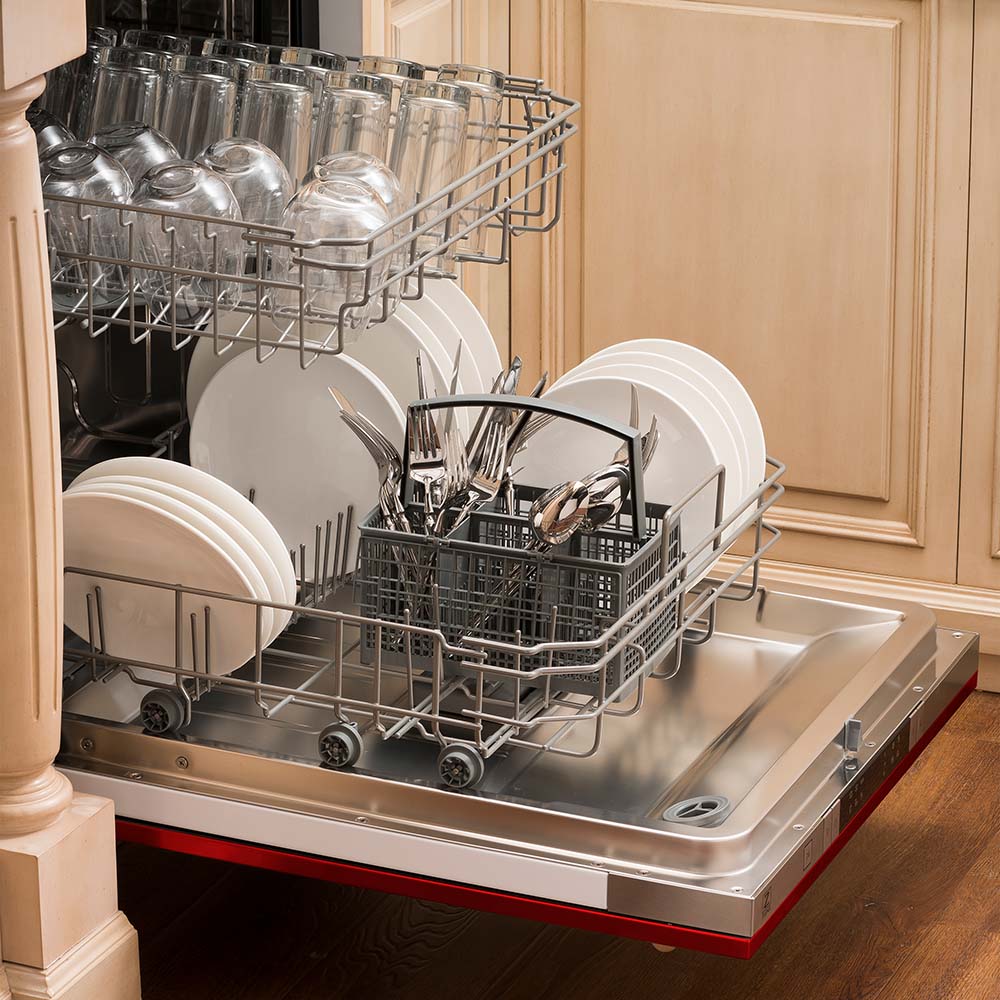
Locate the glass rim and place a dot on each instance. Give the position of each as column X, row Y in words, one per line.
column 439, row 89
column 466, row 73
column 132, row 57
column 347, row 79
column 391, row 66
column 300, row 55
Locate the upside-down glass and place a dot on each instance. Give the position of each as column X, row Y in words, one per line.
column 49, row 130
column 69, row 87
column 326, row 209
column 353, row 115
column 255, row 175
column 427, row 150
column 317, row 64
column 485, row 87
column 81, row 170
column 199, row 103
column 397, row 72
column 182, row 186
column 128, row 86
column 156, row 41
column 136, row 146
column 277, row 111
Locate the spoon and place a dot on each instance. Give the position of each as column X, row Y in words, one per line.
column 559, row 513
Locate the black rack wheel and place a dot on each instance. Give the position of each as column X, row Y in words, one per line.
column 461, row 767
column 340, row 745
column 162, row 711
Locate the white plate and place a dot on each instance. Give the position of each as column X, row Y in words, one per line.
column 274, row 587
column 728, row 383
column 118, row 534
column 275, row 429
column 686, row 454
column 650, row 366
column 213, row 489
column 445, row 329
column 464, row 314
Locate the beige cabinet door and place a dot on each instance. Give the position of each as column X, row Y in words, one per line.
column 784, row 185
column 440, row 31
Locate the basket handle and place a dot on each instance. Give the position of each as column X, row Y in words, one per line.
column 631, row 436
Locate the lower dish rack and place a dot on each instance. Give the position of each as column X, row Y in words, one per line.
column 367, row 673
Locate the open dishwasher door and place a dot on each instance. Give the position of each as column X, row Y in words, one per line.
column 711, row 803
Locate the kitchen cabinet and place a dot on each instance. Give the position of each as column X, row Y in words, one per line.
column 786, row 185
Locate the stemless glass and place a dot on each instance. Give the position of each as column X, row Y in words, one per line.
column 277, row 111
column 69, row 87
column 49, row 130
column 255, row 175
column 156, row 41
column 427, row 150
column 199, row 103
column 128, row 86
column 485, row 87
column 136, row 146
column 183, row 186
column 397, row 72
column 317, row 65
column 81, row 170
column 353, row 115
column 323, row 209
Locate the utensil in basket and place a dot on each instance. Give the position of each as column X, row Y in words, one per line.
column 427, row 461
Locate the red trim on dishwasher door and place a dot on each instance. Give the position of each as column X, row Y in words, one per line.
column 492, row 901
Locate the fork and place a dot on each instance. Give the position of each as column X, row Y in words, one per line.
column 484, row 482
column 427, row 455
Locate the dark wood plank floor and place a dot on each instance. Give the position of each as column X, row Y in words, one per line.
column 910, row 910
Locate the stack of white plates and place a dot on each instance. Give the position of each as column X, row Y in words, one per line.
column 704, row 414
column 153, row 519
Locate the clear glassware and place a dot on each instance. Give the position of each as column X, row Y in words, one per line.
column 427, row 151
column 317, row 64
column 199, row 103
column 136, row 146
column 236, row 49
column 128, row 86
column 325, row 209
column 277, row 111
column 397, row 72
column 353, row 115
column 188, row 187
column 49, row 130
column 81, row 170
column 255, row 175
column 370, row 171
column 156, row 41
column 68, row 87
column 485, row 87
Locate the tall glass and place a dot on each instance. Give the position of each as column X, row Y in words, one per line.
column 353, row 115
column 397, row 72
column 277, row 111
column 317, row 64
column 80, row 170
column 485, row 87
column 136, row 146
column 199, row 104
column 128, row 86
column 427, row 150
column 49, row 130
column 181, row 186
column 157, row 41
column 69, row 87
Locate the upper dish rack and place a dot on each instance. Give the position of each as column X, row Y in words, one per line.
column 517, row 191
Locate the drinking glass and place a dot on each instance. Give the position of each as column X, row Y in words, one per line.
column 255, row 175
column 236, row 49
column 485, row 87
column 397, row 72
column 353, row 115
column 277, row 111
column 81, row 170
column 156, row 41
column 136, row 146
column 325, row 209
column 199, row 103
column 128, row 86
column 427, row 151
column 317, row 65
column 183, row 186
column 69, row 87
column 49, row 130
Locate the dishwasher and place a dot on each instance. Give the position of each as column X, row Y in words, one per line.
column 684, row 784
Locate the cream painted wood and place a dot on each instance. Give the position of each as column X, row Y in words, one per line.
column 784, row 185
column 440, row 31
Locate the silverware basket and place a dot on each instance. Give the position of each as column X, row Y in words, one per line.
column 481, row 582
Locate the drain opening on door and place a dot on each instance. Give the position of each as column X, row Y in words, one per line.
column 701, row 810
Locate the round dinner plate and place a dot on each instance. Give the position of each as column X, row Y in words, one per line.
column 649, row 366
column 273, row 586
column 733, row 389
column 447, row 331
column 463, row 313
column 273, row 428
column 687, row 452
column 219, row 493
column 114, row 533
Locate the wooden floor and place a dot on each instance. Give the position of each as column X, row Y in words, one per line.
column 910, row 910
